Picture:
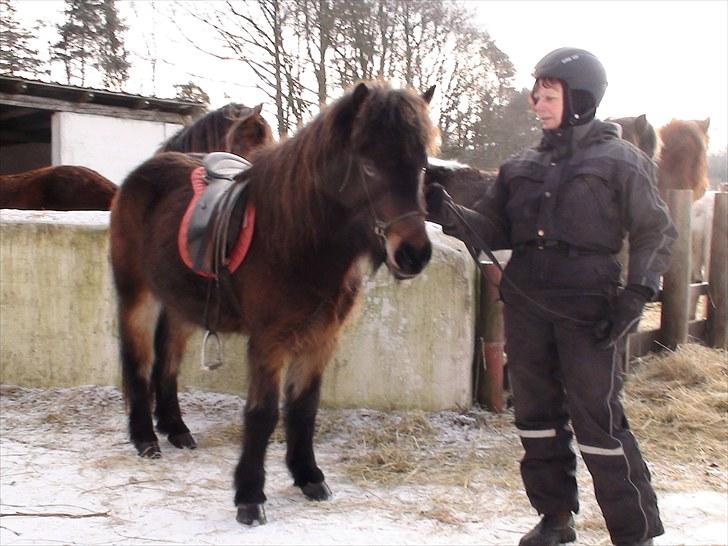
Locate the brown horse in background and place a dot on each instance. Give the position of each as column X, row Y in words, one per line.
column 640, row 132
column 348, row 185
column 65, row 187
column 683, row 159
column 234, row 128
column 467, row 185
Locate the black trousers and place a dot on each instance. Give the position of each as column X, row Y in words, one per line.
column 563, row 386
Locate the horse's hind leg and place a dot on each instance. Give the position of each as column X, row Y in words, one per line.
column 170, row 339
column 261, row 416
column 303, row 391
column 137, row 318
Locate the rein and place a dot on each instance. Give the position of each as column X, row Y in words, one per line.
column 488, row 252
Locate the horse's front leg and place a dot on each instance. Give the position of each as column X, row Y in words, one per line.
column 260, row 416
column 303, row 391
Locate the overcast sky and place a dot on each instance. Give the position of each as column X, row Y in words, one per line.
column 666, row 59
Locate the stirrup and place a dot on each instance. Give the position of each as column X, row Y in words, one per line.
column 209, row 364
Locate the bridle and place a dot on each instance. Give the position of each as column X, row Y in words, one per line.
column 380, row 227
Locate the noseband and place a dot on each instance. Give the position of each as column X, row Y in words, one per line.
column 380, row 227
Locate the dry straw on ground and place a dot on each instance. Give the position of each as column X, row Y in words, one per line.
column 677, row 403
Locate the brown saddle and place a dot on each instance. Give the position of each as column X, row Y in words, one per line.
column 217, row 227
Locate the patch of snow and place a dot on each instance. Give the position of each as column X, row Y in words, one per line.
column 65, row 452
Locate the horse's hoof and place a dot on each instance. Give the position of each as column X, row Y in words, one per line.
column 182, row 441
column 317, row 491
column 149, row 450
column 250, row 513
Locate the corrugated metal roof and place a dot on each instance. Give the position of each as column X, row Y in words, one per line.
column 19, row 87
column 26, row 107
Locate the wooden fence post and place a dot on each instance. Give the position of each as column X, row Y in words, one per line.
column 718, row 275
column 490, row 390
column 676, row 282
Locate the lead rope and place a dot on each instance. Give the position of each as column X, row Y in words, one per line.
column 488, row 252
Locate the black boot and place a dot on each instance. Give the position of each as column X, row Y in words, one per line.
column 552, row 530
column 647, row 542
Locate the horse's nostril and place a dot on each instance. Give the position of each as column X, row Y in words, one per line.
column 411, row 259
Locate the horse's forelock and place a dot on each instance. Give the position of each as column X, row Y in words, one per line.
column 292, row 175
column 402, row 114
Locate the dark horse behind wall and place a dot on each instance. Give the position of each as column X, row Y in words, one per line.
column 346, row 186
column 234, row 128
column 64, row 187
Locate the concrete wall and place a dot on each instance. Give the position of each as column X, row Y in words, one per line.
column 112, row 146
column 409, row 346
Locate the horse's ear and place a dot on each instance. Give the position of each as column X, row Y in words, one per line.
column 705, row 125
column 360, row 93
column 258, row 109
column 427, row 95
column 640, row 123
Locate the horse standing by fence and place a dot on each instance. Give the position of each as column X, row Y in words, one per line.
column 346, row 186
column 234, row 128
column 64, row 187
column 683, row 159
column 640, row 132
column 683, row 165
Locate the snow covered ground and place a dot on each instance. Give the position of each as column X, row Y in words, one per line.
column 69, row 476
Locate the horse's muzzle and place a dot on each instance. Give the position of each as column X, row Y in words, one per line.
column 409, row 260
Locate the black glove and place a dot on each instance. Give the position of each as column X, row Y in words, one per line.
column 623, row 316
column 437, row 210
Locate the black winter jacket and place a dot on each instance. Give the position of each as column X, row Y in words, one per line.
column 585, row 187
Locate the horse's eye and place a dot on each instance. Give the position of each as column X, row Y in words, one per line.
column 368, row 170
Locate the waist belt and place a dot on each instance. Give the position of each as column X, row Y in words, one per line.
column 571, row 250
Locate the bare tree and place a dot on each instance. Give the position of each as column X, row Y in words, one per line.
column 253, row 32
column 17, row 57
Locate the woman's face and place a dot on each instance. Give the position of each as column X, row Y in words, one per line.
column 548, row 104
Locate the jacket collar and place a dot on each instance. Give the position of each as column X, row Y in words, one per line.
column 561, row 143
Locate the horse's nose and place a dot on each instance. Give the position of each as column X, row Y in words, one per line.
column 411, row 259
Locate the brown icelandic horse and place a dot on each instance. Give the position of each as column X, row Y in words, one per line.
column 683, row 158
column 234, row 128
column 348, row 185
column 64, row 187
column 640, row 132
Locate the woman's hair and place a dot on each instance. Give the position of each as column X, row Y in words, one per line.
column 544, row 82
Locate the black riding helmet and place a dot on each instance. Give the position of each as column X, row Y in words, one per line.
column 584, row 79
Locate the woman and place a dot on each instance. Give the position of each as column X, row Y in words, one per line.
column 564, row 208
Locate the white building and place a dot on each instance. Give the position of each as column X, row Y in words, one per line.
column 43, row 124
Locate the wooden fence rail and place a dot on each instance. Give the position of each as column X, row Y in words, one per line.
column 676, row 327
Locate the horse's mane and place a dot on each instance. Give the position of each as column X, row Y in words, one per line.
column 290, row 180
column 212, row 131
column 683, row 160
